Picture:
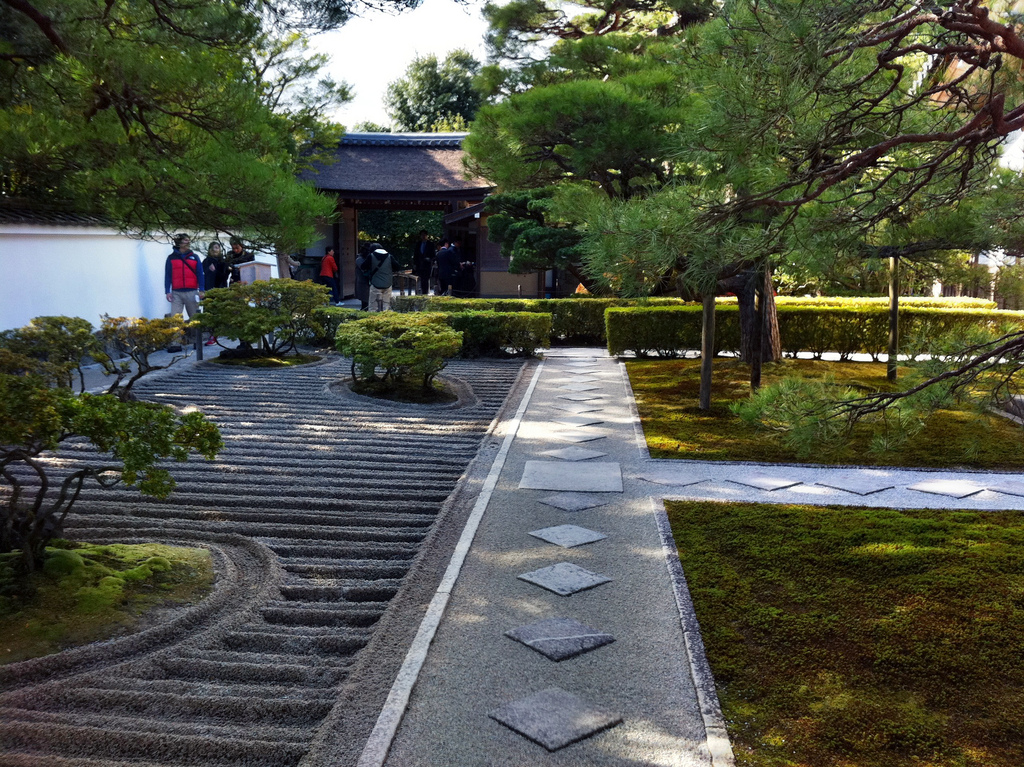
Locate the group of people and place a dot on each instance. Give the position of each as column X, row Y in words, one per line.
column 186, row 278
column 442, row 266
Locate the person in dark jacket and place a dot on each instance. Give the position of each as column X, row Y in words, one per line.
column 423, row 261
column 215, row 273
column 447, row 268
column 238, row 256
column 381, row 275
column 363, row 277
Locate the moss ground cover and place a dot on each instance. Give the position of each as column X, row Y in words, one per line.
column 846, row 637
column 87, row 592
column 666, row 395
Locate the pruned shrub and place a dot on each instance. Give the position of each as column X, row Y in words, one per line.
column 327, row 320
column 391, row 348
column 496, row 334
column 268, row 317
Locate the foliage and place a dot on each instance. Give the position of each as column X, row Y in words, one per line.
column 667, row 398
column 402, row 346
column 368, row 126
column 1009, row 285
column 136, row 338
column 327, row 320
column 434, row 95
column 271, row 316
column 88, row 592
column 53, row 347
column 159, row 115
column 398, row 231
column 496, row 334
column 858, row 636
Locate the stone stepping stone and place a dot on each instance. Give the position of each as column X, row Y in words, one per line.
column 580, row 378
column 579, row 435
column 573, row 501
column 578, row 409
column 857, row 485
column 559, row 639
column 554, row 718
column 578, row 420
column 574, row 453
column 953, row 488
column 579, row 387
column 671, row 478
column 564, row 578
column 568, row 536
column 579, row 397
column 1009, row 487
column 587, row 477
column 765, row 483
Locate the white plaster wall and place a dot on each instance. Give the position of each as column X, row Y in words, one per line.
column 79, row 272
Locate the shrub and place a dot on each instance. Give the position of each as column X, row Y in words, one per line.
column 271, row 316
column 667, row 331
column 327, row 320
column 400, row 345
column 494, row 334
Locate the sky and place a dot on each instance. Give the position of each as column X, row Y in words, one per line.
column 375, row 49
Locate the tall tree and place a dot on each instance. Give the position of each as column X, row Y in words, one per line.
column 433, row 95
column 163, row 114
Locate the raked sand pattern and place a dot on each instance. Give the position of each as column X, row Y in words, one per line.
column 314, row 512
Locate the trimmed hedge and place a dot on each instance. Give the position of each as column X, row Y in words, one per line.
column 496, row 334
column 328, row 319
column 577, row 321
column 668, row 331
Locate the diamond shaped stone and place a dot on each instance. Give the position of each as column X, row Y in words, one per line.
column 564, row 578
column 578, row 420
column 765, row 483
column 579, row 397
column 560, row 638
column 589, row 476
column 574, row 453
column 857, row 485
column 954, row 488
column 574, row 501
column 579, row 435
column 554, row 718
column 579, row 387
column 1009, row 487
column 578, row 409
column 568, row 536
column 671, row 477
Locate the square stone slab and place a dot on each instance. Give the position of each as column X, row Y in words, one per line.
column 954, row 488
column 578, row 409
column 574, row 453
column 560, row 638
column 579, row 435
column 579, row 397
column 765, row 483
column 673, row 478
column 573, row 501
column 554, row 718
column 579, row 387
column 1009, row 487
column 588, row 477
column 578, row 420
column 858, row 485
column 564, row 578
column 568, row 536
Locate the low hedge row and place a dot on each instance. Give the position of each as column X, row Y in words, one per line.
column 816, row 329
column 578, row 321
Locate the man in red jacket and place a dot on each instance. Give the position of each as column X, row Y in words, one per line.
column 183, row 278
column 329, row 274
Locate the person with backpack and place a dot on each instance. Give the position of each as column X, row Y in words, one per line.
column 381, row 275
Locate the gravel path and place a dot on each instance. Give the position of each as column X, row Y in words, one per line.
column 315, row 511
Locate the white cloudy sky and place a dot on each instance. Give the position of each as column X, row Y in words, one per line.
column 373, row 50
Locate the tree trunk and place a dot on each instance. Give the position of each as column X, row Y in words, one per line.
column 894, row 317
column 745, row 286
column 707, row 349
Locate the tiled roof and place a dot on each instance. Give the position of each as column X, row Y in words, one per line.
column 396, row 163
column 48, row 217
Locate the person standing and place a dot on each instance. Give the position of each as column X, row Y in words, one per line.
column 183, row 279
column 447, row 268
column 423, row 260
column 382, row 274
column 363, row 278
column 329, row 274
column 238, row 256
column 215, row 273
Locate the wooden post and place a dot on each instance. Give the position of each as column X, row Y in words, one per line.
column 707, row 349
column 894, row 317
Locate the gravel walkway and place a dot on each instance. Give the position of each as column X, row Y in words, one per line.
column 315, row 511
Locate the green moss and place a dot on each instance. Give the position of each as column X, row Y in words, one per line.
column 861, row 637
column 667, row 393
column 90, row 592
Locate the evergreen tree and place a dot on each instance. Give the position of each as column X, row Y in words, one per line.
column 434, row 95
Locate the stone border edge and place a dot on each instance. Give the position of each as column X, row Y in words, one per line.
column 378, row 745
column 715, row 733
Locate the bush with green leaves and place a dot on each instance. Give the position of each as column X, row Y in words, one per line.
column 393, row 348
column 271, row 316
column 39, row 411
column 327, row 320
column 498, row 334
